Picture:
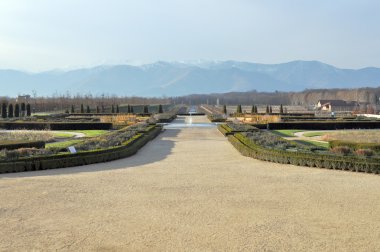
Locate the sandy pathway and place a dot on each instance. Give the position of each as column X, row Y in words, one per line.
column 190, row 190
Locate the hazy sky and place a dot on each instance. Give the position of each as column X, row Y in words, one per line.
column 46, row 34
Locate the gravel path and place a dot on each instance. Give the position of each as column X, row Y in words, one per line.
column 189, row 190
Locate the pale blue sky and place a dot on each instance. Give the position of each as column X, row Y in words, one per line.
column 38, row 35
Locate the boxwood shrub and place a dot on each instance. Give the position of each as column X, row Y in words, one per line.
column 311, row 159
column 62, row 160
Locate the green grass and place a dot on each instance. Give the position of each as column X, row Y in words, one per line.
column 314, row 134
column 62, row 135
column 286, row 133
column 63, row 144
column 314, row 143
column 90, row 133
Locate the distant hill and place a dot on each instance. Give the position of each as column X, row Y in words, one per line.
column 176, row 79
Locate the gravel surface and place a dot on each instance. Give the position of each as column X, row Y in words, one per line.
column 189, row 190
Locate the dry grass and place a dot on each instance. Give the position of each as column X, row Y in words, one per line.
column 30, row 135
column 357, row 136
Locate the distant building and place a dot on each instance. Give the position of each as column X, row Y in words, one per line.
column 336, row 105
column 23, row 98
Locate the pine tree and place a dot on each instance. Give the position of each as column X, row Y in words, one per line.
column 88, row 111
column 160, row 110
column 72, row 109
column 17, row 110
column 10, row 111
column 28, row 110
column 225, row 109
column 4, row 110
column 82, row 109
column 238, row 109
column 117, row 109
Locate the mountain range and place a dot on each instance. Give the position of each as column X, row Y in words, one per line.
column 182, row 78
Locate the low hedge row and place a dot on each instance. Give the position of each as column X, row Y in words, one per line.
column 248, row 148
column 82, row 158
column 13, row 145
column 224, row 129
column 323, row 125
column 355, row 146
column 56, row 125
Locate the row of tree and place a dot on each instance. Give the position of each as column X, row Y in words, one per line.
column 114, row 109
column 254, row 110
column 10, row 111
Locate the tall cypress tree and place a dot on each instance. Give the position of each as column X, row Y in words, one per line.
column 17, row 110
column 253, row 109
column 160, row 110
column 281, row 110
column 10, row 110
column 270, row 110
column 97, row 109
column 82, row 109
column 132, row 111
column 267, row 110
column 28, row 110
column 88, row 109
column 4, row 110
column 238, row 109
column 225, row 109
column 113, row 109
column 117, row 109
column 72, row 109
column 146, row 109
column 23, row 109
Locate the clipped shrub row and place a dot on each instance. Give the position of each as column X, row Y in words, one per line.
column 56, row 125
column 358, row 164
column 217, row 117
column 323, row 125
column 355, row 146
column 13, row 145
column 63, row 160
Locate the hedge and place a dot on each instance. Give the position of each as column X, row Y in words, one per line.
column 63, row 160
column 56, row 125
column 322, row 125
column 249, row 149
column 13, row 145
column 355, row 146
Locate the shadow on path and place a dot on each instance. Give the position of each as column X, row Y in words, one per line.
column 156, row 150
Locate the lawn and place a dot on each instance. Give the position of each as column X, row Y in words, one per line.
column 63, row 144
column 62, row 135
column 324, row 145
column 286, row 133
column 90, row 133
column 314, row 134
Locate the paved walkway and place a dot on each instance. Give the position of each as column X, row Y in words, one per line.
column 189, row 190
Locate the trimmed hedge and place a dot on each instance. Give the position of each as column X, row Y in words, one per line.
column 249, row 149
column 82, row 158
column 355, row 146
column 323, row 125
column 56, row 125
column 13, row 145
